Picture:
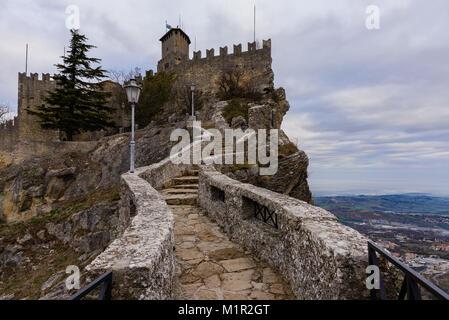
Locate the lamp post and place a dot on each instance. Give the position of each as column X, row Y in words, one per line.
column 192, row 88
column 133, row 93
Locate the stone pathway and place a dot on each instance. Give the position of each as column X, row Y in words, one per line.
column 209, row 265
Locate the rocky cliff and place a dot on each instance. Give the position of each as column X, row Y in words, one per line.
column 35, row 187
column 266, row 112
column 60, row 208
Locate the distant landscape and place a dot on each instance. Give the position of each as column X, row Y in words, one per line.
column 413, row 226
column 399, row 203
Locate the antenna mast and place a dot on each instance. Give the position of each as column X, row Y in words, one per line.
column 26, row 60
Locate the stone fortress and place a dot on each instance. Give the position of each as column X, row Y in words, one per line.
column 205, row 72
column 23, row 134
column 194, row 231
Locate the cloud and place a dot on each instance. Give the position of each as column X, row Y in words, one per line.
column 369, row 107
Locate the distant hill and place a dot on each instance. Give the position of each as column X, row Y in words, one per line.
column 399, row 203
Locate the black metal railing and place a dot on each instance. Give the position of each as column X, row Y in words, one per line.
column 106, row 288
column 265, row 215
column 412, row 280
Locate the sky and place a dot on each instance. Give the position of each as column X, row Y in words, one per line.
column 368, row 106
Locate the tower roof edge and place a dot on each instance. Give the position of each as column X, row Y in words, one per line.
column 165, row 36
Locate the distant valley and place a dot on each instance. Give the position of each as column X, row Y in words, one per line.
column 399, row 203
column 413, row 227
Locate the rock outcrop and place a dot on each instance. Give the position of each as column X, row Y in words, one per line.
column 34, row 254
column 37, row 186
column 268, row 113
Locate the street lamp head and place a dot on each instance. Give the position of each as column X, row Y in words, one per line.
column 192, row 87
column 133, row 91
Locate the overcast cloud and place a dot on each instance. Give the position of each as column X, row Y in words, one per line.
column 370, row 107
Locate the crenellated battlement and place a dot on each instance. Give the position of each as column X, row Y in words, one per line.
column 237, row 51
column 206, row 71
column 32, row 90
column 34, row 77
column 171, row 63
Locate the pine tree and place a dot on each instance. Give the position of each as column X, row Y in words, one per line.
column 79, row 102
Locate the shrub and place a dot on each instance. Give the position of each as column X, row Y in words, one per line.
column 155, row 93
column 233, row 84
column 236, row 107
column 287, row 150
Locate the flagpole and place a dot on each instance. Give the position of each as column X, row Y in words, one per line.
column 254, row 23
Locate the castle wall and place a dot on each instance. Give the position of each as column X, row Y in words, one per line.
column 206, row 72
column 31, row 93
column 9, row 132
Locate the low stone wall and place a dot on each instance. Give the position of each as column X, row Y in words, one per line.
column 162, row 172
column 142, row 258
column 320, row 257
column 30, row 149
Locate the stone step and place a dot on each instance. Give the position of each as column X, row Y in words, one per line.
column 185, row 180
column 191, row 173
column 185, row 186
column 179, row 191
column 180, row 199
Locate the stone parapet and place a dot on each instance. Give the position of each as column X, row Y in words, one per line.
column 142, row 258
column 319, row 257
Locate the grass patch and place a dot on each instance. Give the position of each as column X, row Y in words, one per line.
column 236, row 107
column 287, row 150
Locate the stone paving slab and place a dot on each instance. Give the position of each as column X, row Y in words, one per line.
column 211, row 267
column 179, row 199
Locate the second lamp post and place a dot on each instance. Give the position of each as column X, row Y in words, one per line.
column 133, row 93
column 192, row 88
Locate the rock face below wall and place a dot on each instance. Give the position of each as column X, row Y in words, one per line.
column 88, row 231
column 291, row 177
column 37, row 186
column 5, row 159
column 34, row 254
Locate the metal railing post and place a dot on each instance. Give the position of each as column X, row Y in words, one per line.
column 412, row 279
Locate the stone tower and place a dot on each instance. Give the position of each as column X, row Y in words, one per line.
column 175, row 49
